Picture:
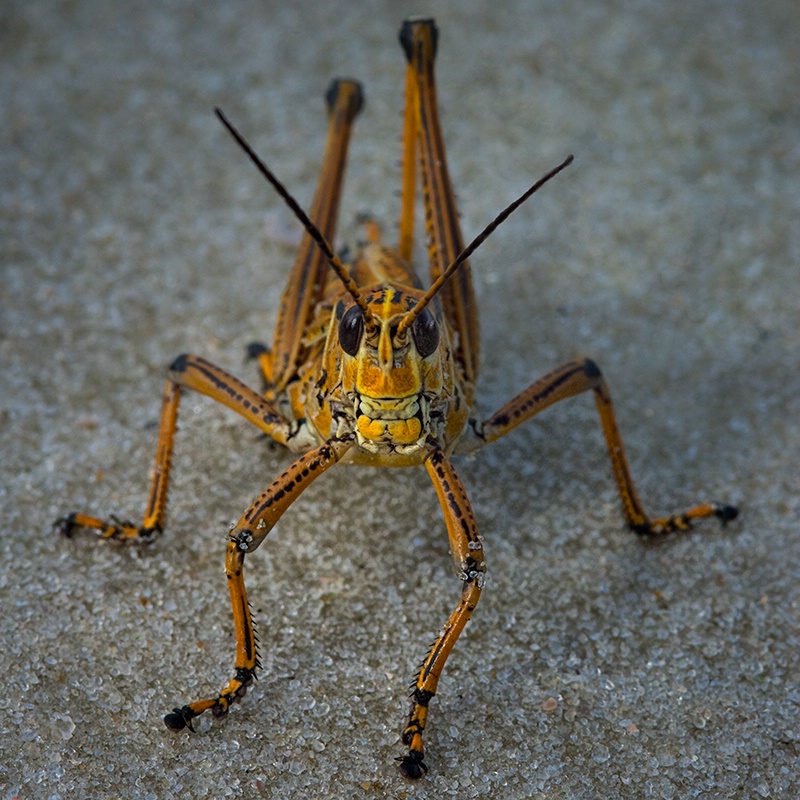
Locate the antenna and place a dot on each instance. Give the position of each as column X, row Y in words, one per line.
column 313, row 231
column 411, row 315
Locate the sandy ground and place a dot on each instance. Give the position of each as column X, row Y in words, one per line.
column 133, row 230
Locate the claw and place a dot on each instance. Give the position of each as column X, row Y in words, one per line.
column 726, row 513
column 179, row 719
column 114, row 528
column 412, row 766
column 65, row 526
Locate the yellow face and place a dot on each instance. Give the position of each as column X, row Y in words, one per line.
column 390, row 378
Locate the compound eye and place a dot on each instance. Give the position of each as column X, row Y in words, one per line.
column 351, row 328
column 425, row 331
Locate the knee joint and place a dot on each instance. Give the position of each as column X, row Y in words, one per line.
column 591, row 370
column 473, row 571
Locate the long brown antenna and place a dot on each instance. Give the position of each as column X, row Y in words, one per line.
column 411, row 315
column 313, row 231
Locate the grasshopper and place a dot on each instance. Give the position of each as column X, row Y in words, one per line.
column 368, row 367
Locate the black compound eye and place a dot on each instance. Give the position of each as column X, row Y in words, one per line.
column 351, row 328
column 425, row 331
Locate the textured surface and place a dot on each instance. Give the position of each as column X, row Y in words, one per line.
column 133, row 230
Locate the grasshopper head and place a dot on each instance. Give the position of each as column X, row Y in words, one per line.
column 390, row 373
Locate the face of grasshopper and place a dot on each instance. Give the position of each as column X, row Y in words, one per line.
column 392, row 378
column 388, row 376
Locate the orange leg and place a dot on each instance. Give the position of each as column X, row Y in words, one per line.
column 253, row 527
column 575, row 377
column 190, row 372
column 467, row 551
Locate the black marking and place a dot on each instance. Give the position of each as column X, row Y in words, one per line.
column 150, row 532
column 179, row 364
column 65, row 526
column 180, row 718
column 332, row 94
column 422, row 697
column 725, row 513
column 534, row 400
column 244, row 675
column 229, row 385
column 412, row 766
column 407, row 40
column 255, row 349
column 413, row 727
column 591, row 370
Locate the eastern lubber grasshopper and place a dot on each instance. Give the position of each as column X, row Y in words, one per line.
column 368, row 367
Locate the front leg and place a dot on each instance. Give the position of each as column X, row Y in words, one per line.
column 253, row 527
column 467, row 552
column 575, row 377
